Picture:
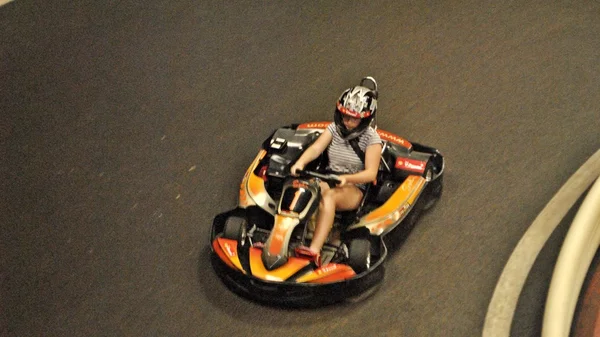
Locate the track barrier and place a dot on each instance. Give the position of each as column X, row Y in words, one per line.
column 578, row 250
column 504, row 300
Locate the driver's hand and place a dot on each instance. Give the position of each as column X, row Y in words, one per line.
column 295, row 168
column 343, row 181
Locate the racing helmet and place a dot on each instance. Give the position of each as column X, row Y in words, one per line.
column 358, row 102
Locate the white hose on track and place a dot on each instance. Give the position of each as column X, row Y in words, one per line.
column 508, row 289
column 576, row 255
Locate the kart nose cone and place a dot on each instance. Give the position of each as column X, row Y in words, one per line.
column 272, row 261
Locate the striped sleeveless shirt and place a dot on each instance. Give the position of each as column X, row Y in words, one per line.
column 342, row 158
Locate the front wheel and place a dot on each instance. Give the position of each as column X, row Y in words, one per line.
column 359, row 255
column 236, row 228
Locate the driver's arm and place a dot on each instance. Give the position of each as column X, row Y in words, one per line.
column 313, row 151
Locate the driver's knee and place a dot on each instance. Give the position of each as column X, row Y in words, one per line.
column 347, row 200
column 328, row 195
column 328, row 201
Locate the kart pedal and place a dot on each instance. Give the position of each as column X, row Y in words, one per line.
column 326, row 257
column 343, row 251
column 334, row 253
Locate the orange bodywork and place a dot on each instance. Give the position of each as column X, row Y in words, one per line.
column 282, row 273
column 281, row 228
column 329, row 273
column 256, row 185
column 227, row 251
column 395, row 207
column 252, row 188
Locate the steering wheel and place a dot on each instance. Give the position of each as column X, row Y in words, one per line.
column 329, row 178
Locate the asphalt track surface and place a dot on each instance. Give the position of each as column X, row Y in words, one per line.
column 126, row 126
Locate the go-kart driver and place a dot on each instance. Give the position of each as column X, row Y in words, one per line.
column 356, row 165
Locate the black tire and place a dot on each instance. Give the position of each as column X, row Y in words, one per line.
column 236, row 228
column 359, row 255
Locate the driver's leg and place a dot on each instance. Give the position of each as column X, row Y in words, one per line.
column 343, row 198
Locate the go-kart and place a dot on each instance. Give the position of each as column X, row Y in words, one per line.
column 253, row 245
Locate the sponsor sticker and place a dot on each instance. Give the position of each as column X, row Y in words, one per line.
column 314, row 125
column 408, row 184
column 353, row 113
column 390, row 137
column 411, row 165
column 326, row 269
column 299, row 184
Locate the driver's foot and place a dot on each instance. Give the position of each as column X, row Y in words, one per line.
column 306, row 252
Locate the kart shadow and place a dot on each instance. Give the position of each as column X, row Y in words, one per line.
column 396, row 239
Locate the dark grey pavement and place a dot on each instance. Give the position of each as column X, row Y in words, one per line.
column 126, row 126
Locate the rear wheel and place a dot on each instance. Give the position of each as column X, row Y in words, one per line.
column 236, row 228
column 359, row 255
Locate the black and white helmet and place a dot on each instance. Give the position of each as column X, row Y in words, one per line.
column 358, row 102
